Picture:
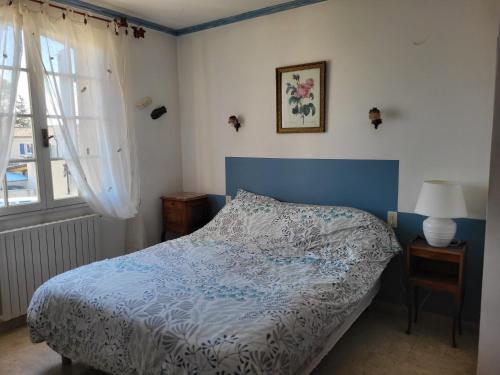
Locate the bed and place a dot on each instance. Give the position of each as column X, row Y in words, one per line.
column 266, row 287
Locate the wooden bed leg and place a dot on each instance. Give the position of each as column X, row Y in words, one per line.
column 65, row 361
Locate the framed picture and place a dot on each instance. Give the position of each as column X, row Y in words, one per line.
column 300, row 98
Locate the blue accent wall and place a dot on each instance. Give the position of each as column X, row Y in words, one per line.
column 215, row 204
column 320, row 182
column 371, row 185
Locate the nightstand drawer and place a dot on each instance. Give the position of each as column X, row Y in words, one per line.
column 173, row 205
column 441, row 256
column 174, row 217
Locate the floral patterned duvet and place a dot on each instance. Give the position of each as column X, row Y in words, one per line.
column 257, row 291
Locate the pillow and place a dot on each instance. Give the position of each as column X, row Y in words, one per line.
column 324, row 231
column 244, row 218
column 295, row 230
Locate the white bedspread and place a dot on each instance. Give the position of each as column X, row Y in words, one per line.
column 227, row 299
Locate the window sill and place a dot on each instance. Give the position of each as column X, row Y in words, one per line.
column 35, row 217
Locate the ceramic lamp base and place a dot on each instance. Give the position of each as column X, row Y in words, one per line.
column 439, row 232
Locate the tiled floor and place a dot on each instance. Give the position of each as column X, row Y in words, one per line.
column 375, row 344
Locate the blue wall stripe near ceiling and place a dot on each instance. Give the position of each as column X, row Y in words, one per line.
column 191, row 29
column 247, row 15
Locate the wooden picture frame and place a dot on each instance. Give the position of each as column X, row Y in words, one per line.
column 300, row 98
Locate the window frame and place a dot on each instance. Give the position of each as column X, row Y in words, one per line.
column 42, row 157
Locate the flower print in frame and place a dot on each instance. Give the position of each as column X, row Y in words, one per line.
column 300, row 98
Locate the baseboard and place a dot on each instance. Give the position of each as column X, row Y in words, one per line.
column 9, row 325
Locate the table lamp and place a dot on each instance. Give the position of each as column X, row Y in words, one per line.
column 441, row 201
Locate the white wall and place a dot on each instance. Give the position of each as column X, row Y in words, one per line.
column 153, row 72
column 429, row 66
column 489, row 339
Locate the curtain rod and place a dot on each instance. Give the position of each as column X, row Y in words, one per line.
column 73, row 10
column 122, row 22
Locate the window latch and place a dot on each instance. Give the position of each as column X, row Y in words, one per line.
column 46, row 137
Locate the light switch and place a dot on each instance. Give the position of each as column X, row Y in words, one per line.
column 392, row 218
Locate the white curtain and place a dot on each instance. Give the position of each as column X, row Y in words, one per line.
column 10, row 62
column 83, row 76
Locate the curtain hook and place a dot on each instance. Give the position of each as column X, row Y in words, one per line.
column 85, row 18
column 10, row 2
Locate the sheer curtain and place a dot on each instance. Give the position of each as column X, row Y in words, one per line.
column 83, row 77
column 10, row 62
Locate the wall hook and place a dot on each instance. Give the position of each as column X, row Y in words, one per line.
column 158, row 112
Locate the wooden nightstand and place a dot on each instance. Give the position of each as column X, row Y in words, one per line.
column 438, row 269
column 183, row 213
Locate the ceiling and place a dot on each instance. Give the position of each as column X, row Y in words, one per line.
column 178, row 14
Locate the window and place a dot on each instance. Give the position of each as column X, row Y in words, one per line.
column 61, row 61
column 36, row 177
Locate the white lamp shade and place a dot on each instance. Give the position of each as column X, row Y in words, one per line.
column 441, row 199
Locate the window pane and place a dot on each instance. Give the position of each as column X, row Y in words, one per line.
column 83, row 134
column 6, row 77
column 88, row 100
column 62, row 184
column 55, row 56
column 7, row 48
column 59, row 88
column 22, row 183
column 2, row 200
column 62, row 181
column 23, row 101
column 55, row 152
column 23, row 146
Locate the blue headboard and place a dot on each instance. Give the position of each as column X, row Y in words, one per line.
column 371, row 185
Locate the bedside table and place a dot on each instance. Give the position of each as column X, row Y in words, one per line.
column 438, row 269
column 183, row 213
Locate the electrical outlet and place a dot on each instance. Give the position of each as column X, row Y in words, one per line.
column 392, row 218
column 228, row 199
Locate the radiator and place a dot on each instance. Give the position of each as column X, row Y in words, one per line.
column 30, row 256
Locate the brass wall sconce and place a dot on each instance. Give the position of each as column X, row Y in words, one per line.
column 234, row 122
column 374, row 116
